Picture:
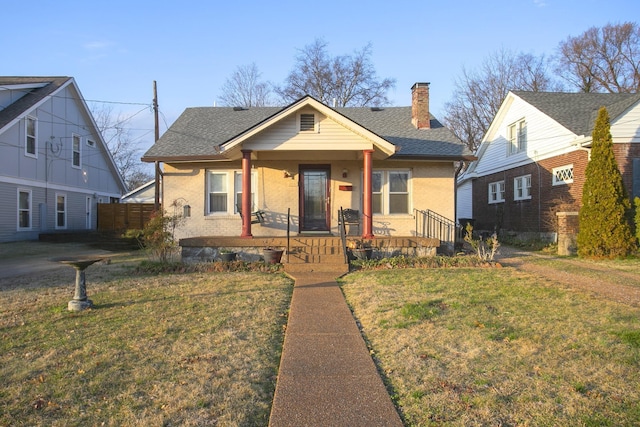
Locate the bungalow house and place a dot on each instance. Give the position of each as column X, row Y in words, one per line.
column 530, row 170
column 54, row 165
column 291, row 169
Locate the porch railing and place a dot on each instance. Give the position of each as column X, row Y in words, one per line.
column 288, row 232
column 343, row 234
column 432, row 225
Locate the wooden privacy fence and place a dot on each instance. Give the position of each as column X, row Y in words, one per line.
column 124, row 216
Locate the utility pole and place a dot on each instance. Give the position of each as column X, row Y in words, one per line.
column 157, row 137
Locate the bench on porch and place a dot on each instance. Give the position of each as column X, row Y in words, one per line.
column 350, row 217
column 257, row 217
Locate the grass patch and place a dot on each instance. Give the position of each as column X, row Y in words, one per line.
column 620, row 271
column 505, row 350
column 173, row 349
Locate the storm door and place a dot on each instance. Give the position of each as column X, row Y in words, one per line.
column 315, row 212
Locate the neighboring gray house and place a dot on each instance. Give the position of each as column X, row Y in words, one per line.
column 54, row 164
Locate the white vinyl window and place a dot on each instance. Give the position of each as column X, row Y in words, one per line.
column 562, row 175
column 238, row 191
column 75, row 150
column 522, row 187
column 496, row 192
column 307, row 122
column 517, row 134
column 31, row 137
column 217, row 195
column 61, row 211
column 390, row 192
column 24, row 209
column 224, row 191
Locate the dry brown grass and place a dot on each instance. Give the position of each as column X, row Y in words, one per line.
column 464, row 347
column 190, row 349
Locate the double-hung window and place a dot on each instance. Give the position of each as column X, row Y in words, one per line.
column 496, row 192
column 75, row 150
column 562, row 175
column 522, row 187
column 31, row 137
column 61, row 211
column 217, row 193
column 238, row 191
column 517, row 134
column 24, row 209
column 224, row 191
column 390, row 192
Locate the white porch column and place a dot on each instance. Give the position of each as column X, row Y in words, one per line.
column 246, row 194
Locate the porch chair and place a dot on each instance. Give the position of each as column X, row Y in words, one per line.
column 351, row 217
column 257, row 217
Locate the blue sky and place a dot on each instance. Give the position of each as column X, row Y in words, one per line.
column 116, row 49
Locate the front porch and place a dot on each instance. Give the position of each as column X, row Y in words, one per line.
column 302, row 250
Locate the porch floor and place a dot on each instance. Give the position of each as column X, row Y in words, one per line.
column 312, row 253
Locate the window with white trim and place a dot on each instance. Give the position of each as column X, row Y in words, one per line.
column 522, row 187
column 496, row 192
column 562, row 175
column 517, row 135
column 31, row 137
column 75, row 151
column 390, row 192
column 24, row 209
column 307, row 122
column 238, row 191
column 224, row 191
column 217, row 192
column 61, row 211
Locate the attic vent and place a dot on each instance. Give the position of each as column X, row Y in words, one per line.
column 239, row 108
column 377, row 108
column 307, row 122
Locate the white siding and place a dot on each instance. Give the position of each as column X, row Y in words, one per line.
column 284, row 135
column 627, row 127
column 464, row 207
column 545, row 138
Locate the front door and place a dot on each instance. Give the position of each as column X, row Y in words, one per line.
column 315, row 212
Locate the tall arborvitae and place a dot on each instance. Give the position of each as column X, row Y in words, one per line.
column 604, row 224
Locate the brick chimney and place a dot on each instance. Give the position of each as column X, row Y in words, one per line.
column 420, row 117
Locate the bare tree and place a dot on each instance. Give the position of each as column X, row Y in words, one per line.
column 244, row 88
column 478, row 94
column 346, row 80
column 603, row 59
column 124, row 150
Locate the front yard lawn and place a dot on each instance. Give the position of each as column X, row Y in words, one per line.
column 461, row 347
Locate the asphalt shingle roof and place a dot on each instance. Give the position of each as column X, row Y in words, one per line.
column 578, row 111
column 14, row 110
column 198, row 131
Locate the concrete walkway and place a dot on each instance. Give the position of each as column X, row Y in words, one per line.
column 327, row 376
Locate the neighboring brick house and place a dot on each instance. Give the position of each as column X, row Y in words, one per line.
column 531, row 163
column 308, row 159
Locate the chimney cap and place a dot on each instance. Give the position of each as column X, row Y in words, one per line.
column 420, row 84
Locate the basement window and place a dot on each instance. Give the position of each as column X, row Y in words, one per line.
column 307, row 122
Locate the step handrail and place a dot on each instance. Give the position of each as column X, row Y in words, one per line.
column 433, row 225
column 343, row 234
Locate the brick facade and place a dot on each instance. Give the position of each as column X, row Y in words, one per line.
column 538, row 214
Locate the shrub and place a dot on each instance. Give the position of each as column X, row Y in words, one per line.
column 604, row 226
column 486, row 249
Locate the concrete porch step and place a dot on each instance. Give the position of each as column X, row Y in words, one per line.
column 293, row 268
column 311, row 258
